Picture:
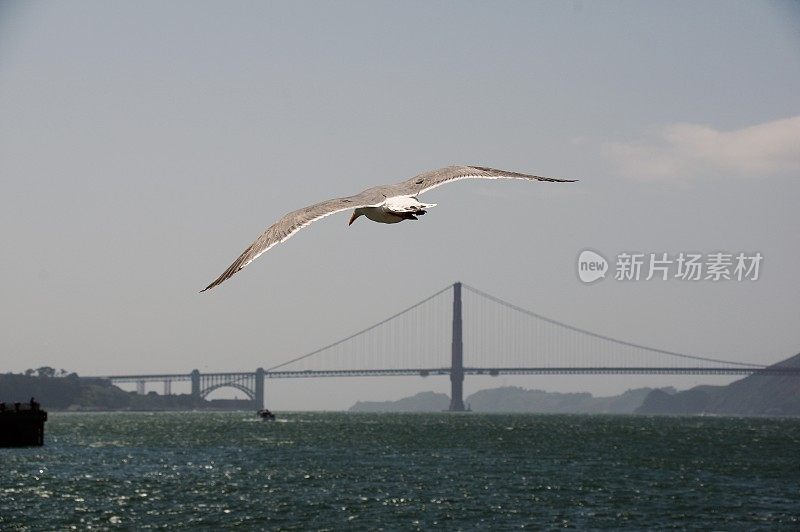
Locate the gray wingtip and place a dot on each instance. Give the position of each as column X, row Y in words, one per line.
column 212, row 285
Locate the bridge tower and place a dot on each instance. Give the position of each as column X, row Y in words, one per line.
column 457, row 360
column 259, row 388
column 195, row 382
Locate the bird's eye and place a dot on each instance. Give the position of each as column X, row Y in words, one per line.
column 420, row 181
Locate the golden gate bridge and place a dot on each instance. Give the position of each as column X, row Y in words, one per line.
column 461, row 331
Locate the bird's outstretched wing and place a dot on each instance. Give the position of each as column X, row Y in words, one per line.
column 290, row 223
column 374, row 197
column 434, row 178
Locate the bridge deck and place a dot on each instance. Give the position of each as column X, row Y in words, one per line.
column 424, row 372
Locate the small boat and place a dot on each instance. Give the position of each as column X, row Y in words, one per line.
column 266, row 415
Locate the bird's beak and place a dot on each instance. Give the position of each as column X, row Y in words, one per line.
column 353, row 218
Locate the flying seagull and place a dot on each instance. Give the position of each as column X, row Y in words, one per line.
column 386, row 204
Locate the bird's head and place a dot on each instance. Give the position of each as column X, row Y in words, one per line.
column 356, row 214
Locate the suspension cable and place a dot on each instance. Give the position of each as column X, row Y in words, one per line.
column 603, row 337
column 334, row 344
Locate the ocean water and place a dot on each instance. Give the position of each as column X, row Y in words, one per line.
column 403, row 471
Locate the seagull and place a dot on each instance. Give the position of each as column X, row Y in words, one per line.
column 387, row 204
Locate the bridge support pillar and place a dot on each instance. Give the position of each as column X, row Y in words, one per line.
column 195, row 383
column 259, row 400
column 457, row 360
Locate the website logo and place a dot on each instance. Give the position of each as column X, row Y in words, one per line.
column 591, row 266
column 684, row 266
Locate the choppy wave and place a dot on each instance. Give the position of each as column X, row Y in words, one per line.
column 401, row 471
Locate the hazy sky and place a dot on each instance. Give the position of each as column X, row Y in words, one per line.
column 143, row 145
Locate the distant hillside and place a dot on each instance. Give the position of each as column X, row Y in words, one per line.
column 422, row 402
column 59, row 393
column 756, row 395
column 515, row 399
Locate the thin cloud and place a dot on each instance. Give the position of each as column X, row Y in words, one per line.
column 692, row 150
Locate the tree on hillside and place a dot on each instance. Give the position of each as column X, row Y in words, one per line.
column 46, row 371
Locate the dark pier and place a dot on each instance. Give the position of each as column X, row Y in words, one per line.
column 22, row 424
